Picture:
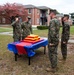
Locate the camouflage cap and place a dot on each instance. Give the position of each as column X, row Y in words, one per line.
column 17, row 16
column 54, row 11
column 66, row 15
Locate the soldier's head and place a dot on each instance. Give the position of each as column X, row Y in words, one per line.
column 52, row 13
column 16, row 18
column 66, row 17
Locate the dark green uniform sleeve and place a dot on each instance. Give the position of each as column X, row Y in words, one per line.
column 66, row 33
column 53, row 33
column 13, row 23
column 22, row 24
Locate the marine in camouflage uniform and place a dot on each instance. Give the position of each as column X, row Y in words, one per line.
column 53, row 39
column 16, row 30
column 25, row 30
column 65, row 36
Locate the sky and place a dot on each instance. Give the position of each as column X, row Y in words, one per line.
column 62, row 6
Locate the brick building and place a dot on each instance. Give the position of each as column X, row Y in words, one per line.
column 37, row 15
column 4, row 19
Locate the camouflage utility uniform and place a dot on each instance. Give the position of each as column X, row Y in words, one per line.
column 25, row 30
column 65, row 38
column 16, row 31
column 53, row 38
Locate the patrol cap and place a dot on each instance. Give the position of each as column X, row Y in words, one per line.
column 66, row 15
column 16, row 16
column 54, row 11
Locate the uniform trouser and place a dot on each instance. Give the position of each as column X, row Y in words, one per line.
column 64, row 50
column 18, row 38
column 53, row 55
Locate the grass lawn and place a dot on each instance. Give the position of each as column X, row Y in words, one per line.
column 5, row 29
column 39, row 62
column 39, row 32
column 45, row 32
column 72, row 30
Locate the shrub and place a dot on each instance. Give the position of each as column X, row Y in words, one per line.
column 42, row 27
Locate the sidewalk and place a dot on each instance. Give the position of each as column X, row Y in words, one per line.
column 10, row 33
column 6, row 33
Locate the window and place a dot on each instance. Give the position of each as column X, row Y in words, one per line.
column 3, row 20
column 29, row 11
